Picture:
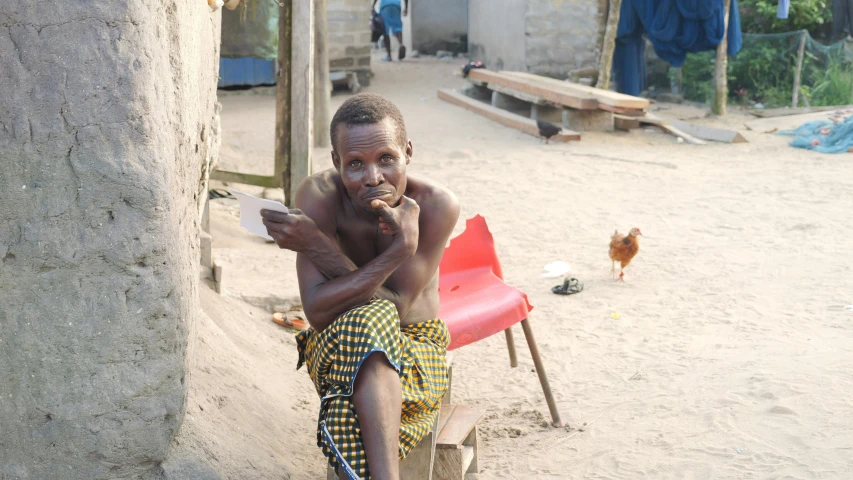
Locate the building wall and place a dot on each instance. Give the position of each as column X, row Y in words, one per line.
column 349, row 34
column 108, row 122
column 439, row 25
column 561, row 36
column 496, row 33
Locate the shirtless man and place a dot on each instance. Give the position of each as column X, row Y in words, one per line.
column 369, row 239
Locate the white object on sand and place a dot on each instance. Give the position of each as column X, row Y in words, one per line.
column 250, row 212
column 556, row 269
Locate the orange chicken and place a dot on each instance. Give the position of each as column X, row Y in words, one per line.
column 623, row 248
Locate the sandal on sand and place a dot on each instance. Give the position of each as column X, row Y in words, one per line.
column 570, row 286
column 292, row 320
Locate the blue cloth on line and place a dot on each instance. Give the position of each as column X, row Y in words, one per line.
column 782, row 10
column 392, row 18
column 674, row 27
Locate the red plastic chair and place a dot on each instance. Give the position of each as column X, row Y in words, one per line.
column 475, row 303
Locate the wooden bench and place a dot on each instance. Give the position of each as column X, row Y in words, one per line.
column 449, row 454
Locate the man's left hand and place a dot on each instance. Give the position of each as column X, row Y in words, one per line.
column 405, row 11
column 293, row 230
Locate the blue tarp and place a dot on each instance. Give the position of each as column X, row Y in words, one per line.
column 675, row 27
column 827, row 136
column 245, row 72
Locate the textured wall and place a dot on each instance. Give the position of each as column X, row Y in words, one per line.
column 561, row 36
column 349, row 34
column 496, row 33
column 107, row 121
column 438, row 25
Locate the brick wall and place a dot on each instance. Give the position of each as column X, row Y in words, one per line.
column 349, row 34
column 561, row 36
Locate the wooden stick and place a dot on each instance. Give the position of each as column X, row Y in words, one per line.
column 795, row 98
column 301, row 94
column 322, row 84
column 281, row 173
column 721, row 87
column 606, row 61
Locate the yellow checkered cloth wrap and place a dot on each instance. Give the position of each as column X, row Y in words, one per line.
column 333, row 357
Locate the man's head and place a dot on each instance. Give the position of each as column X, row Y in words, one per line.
column 370, row 150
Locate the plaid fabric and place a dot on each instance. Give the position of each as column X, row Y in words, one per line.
column 333, row 358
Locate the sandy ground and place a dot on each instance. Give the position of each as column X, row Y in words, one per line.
column 728, row 357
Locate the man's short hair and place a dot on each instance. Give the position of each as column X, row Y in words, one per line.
column 366, row 109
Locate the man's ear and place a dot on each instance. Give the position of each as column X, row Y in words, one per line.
column 336, row 161
column 410, row 150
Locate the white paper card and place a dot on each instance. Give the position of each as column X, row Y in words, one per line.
column 250, row 212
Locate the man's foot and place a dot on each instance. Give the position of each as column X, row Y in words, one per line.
column 402, row 52
column 386, row 58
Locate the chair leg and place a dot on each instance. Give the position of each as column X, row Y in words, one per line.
column 510, row 344
column 540, row 370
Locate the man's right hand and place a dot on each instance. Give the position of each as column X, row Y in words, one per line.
column 292, row 231
column 400, row 222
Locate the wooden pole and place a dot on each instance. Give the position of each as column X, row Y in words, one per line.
column 301, row 95
column 795, row 97
column 606, row 61
column 721, row 87
column 281, row 174
column 322, row 84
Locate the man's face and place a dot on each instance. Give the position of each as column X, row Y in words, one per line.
column 372, row 163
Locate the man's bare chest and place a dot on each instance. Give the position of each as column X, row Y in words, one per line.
column 361, row 241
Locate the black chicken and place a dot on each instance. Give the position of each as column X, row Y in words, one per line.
column 547, row 129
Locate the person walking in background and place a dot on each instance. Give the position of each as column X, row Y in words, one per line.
column 390, row 12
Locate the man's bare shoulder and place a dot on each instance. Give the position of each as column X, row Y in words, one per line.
column 435, row 199
column 319, row 195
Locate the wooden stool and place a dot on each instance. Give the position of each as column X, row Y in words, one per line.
column 457, row 447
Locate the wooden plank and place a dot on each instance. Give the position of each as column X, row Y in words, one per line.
column 444, row 415
column 519, row 95
column 302, row 94
column 322, row 83
column 418, row 464
column 581, row 101
column 245, row 178
column 769, row 125
column 625, row 123
column 709, row 133
column 603, row 97
column 460, row 424
column 667, row 126
column 785, row 112
column 281, row 171
column 467, row 457
column 503, row 117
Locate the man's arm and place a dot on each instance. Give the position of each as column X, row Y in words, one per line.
column 324, row 300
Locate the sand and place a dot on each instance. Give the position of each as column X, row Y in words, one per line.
column 730, row 354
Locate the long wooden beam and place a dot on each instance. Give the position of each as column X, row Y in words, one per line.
column 603, row 97
column 559, row 97
column 503, row 117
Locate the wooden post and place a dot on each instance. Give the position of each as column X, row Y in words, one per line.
column 301, row 95
column 606, row 61
column 795, row 97
column 281, row 172
column 322, row 84
column 721, row 87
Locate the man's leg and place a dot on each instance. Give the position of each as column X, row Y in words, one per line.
column 378, row 400
column 388, row 45
column 402, row 51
